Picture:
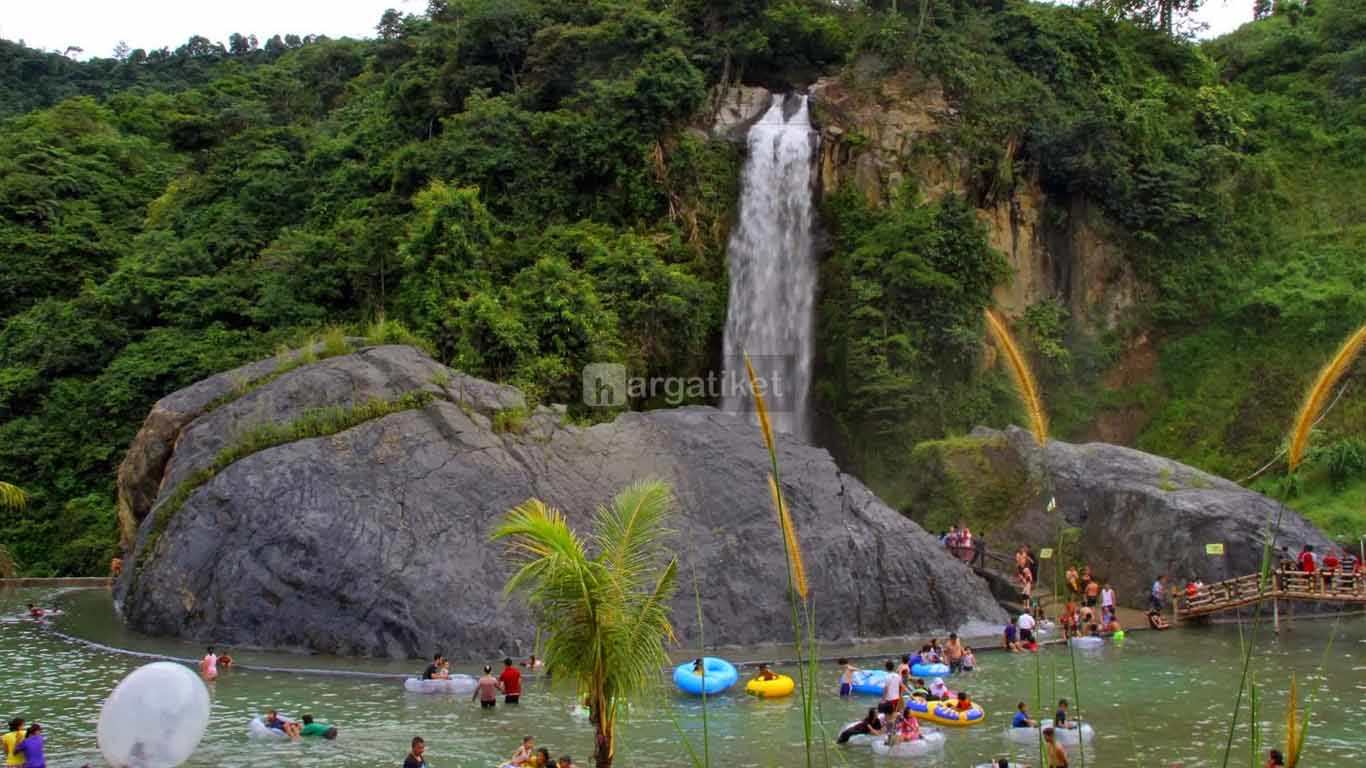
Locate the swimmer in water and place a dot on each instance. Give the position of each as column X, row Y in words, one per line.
column 208, row 666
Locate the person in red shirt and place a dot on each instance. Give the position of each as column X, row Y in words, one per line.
column 511, row 681
column 1309, row 566
column 1331, row 563
column 1307, row 559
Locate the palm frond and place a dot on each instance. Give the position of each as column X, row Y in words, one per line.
column 606, row 617
column 629, row 531
column 539, row 537
column 12, row 496
column 635, row 653
column 1317, row 396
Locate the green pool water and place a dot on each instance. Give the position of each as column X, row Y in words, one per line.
column 1159, row 699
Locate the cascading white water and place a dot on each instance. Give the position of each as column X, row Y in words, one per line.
column 773, row 268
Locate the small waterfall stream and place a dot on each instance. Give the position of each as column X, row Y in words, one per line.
column 773, row 267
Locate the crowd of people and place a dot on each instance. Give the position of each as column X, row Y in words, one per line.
column 1336, row 569
column 960, row 542
column 893, row 717
column 1090, row 607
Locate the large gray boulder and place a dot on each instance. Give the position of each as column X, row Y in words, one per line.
column 1132, row 515
column 374, row 540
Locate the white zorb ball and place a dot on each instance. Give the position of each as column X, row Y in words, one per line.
column 154, row 718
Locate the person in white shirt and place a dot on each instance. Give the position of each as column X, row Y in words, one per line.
column 1107, row 599
column 892, row 689
column 1026, row 625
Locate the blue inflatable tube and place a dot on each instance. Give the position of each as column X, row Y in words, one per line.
column 929, row 670
column 870, row 682
column 718, row 675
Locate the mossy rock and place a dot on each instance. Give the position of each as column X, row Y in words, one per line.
column 980, row 481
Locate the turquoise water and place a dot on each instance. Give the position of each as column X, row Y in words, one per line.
column 1159, row 699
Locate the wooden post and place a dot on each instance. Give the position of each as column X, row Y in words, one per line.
column 1276, row 613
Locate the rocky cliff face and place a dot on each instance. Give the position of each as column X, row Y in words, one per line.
column 374, row 540
column 1133, row 515
column 878, row 131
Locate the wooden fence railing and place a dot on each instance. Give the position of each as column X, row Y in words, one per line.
column 1283, row 584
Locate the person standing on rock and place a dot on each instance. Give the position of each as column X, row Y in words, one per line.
column 1107, row 602
column 1158, row 596
column 1092, row 592
column 964, row 551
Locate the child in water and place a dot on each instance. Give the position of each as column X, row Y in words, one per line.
column 969, row 660
column 906, row 728
column 964, row 704
column 846, row 678
column 765, row 673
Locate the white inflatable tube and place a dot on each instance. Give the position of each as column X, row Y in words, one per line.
column 1090, row 641
column 460, row 685
column 931, row 741
column 1062, row 735
column 257, row 729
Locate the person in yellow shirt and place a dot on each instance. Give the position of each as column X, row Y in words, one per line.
column 11, row 741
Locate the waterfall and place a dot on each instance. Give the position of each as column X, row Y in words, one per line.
column 773, row 268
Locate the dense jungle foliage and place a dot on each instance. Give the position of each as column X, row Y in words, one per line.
column 518, row 183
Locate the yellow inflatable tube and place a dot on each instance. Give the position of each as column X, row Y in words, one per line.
column 943, row 713
column 776, row 688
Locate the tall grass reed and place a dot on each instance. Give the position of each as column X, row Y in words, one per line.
column 798, row 589
column 1300, row 432
column 1027, row 390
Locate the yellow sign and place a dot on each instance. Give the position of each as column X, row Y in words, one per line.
column 1214, row 549
column 1046, row 553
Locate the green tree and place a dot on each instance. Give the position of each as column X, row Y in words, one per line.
column 12, row 497
column 607, row 612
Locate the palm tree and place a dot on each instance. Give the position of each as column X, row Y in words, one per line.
column 606, row 614
column 11, row 497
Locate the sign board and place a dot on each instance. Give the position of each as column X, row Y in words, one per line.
column 1046, row 553
column 1214, row 549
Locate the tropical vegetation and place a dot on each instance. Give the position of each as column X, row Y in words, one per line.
column 522, row 186
column 12, row 497
column 602, row 600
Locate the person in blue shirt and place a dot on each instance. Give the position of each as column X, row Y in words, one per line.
column 1060, row 717
column 1022, row 718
